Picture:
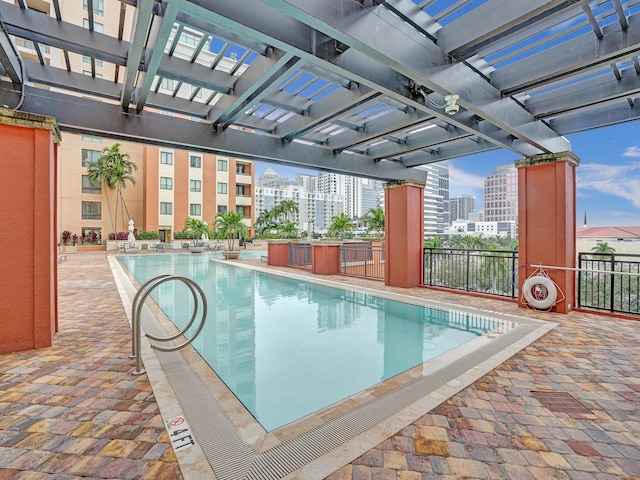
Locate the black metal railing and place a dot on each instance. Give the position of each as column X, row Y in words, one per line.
column 362, row 259
column 300, row 255
column 484, row 271
column 609, row 281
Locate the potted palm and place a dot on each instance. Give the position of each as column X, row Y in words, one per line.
column 230, row 225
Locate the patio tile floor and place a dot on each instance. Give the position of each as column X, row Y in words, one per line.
column 75, row 411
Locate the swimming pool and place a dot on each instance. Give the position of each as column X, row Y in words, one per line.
column 288, row 348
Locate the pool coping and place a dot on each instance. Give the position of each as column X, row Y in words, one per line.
column 235, row 446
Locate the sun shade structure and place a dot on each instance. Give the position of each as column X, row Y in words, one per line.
column 362, row 87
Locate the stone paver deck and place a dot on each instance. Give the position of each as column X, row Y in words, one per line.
column 75, row 411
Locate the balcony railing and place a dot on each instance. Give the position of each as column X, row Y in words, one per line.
column 362, row 259
column 483, row 271
column 300, row 255
column 609, row 281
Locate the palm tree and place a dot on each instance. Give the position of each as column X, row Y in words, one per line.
column 230, row 225
column 286, row 209
column 374, row 221
column 265, row 222
column 603, row 247
column 114, row 168
column 195, row 227
column 340, row 226
column 288, row 229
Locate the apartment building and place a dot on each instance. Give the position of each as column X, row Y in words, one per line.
column 170, row 184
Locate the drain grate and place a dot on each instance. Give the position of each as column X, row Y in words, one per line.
column 562, row 402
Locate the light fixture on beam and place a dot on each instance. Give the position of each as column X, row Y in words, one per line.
column 450, row 106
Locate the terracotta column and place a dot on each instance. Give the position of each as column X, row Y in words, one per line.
column 28, row 237
column 547, row 220
column 404, row 233
column 325, row 257
column 278, row 253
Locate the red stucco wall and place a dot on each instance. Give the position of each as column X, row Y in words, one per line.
column 404, row 235
column 28, row 295
column 547, row 223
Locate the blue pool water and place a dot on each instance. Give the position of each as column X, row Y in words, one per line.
column 288, row 348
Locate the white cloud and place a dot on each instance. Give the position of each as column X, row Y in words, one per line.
column 465, row 179
column 633, row 151
column 617, row 180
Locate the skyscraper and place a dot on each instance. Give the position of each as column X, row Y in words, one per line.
column 501, row 195
column 460, row 207
column 436, row 198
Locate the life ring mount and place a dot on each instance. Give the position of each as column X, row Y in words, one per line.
column 540, row 292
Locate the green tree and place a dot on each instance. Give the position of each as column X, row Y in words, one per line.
column 195, row 227
column 114, row 169
column 288, row 229
column 230, row 225
column 434, row 242
column 266, row 222
column 373, row 221
column 341, row 226
column 286, row 209
column 603, row 247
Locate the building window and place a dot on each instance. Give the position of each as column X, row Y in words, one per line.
column 222, row 187
column 166, row 183
column 195, row 185
column 189, row 39
column 195, row 209
column 91, row 211
column 98, row 7
column 222, row 165
column 166, row 208
column 168, row 84
column 97, row 27
column 241, row 168
column 195, row 162
column 89, row 187
column 87, row 138
column 89, row 157
column 222, row 209
column 240, row 209
column 88, row 74
column 86, row 59
column 166, row 158
column 240, row 189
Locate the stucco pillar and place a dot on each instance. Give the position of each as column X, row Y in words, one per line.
column 325, row 258
column 28, row 237
column 404, row 233
column 547, row 220
column 278, row 253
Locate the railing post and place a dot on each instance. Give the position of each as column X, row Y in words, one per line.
column 579, row 281
column 513, row 274
column 468, row 267
column 612, row 282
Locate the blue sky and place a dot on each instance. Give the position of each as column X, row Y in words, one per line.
column 608, row 175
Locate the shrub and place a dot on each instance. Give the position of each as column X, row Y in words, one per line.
column 66, row 237
column 148, row 235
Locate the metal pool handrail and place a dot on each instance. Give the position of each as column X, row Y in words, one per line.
column 136, row 308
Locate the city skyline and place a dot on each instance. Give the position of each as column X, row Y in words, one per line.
column 608, row 179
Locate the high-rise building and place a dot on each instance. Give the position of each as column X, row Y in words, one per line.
column 460, row 207
column 360, row 194
column 501, row 195
column 171, row 184
column 315, row 209
column 436, row 198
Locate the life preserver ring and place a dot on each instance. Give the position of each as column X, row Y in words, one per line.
column 540, row 292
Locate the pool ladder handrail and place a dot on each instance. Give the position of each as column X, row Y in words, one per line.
column 136, row 308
